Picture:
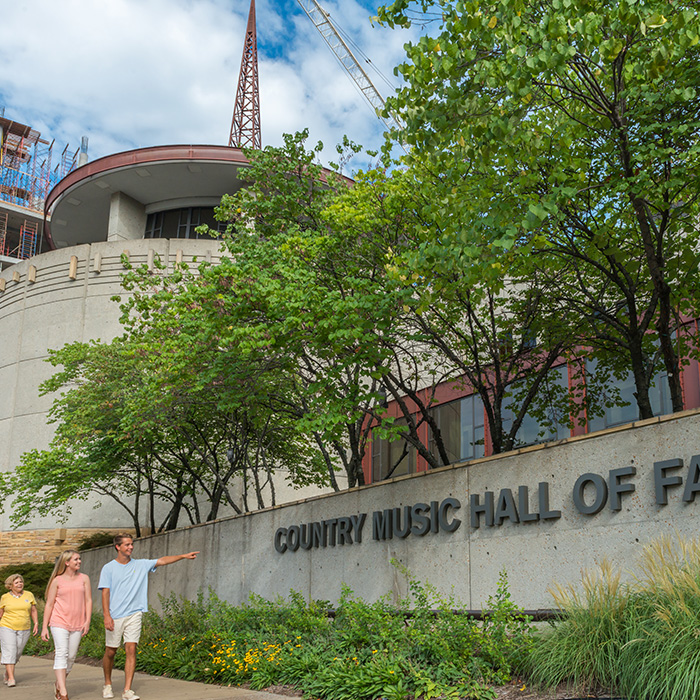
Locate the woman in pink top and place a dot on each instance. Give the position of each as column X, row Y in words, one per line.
column 68, row 610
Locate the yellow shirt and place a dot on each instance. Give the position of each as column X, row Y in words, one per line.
column 16, row 615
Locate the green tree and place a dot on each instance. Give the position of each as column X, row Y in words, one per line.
column 466, row 318
column 311, row 295
column 138, row 422
column 566, row 129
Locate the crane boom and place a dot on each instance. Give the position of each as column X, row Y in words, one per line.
column 322, row 21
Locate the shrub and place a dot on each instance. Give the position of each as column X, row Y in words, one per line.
column 506, row 635
column 36, row 576
column 584, row 647
column 417, row 647
column 96, row 539
column 640, row 639
column 92, row 645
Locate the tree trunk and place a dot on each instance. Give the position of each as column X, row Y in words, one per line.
column 641, row 379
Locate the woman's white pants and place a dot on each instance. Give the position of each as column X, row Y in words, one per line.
column 66, row 647
column 12, row 643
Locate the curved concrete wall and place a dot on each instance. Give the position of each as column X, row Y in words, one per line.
column 632, row 484
column 55, row 298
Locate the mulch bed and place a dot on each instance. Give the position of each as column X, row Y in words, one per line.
column 518, row 689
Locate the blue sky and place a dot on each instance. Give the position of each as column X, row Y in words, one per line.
column 137, row 73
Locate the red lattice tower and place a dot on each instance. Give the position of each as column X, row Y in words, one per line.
column 245, row 126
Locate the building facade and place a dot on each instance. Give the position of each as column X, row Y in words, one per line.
column 128, row 207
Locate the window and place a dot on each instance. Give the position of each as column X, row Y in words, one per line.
column 182, row 223
column 553, row 397
column 154, row 225
column 461, row 425
column 659, row 395
column 472, row 439
column 386, row 454
column 188, row 221
column 449, row 423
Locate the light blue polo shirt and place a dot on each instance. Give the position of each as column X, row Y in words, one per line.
column 128, row 585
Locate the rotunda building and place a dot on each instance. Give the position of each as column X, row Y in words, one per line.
column 139, row 204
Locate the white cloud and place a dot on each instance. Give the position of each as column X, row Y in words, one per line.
column 135, row 73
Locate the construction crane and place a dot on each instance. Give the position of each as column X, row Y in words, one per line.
column 322, row 21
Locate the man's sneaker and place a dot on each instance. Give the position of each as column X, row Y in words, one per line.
column 129, row 695
column 107, row 691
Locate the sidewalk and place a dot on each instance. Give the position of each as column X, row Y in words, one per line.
column 35, row 681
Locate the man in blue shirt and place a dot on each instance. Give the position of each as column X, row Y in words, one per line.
column 124, row 586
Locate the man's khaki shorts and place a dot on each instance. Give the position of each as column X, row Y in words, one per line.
column 128, row 627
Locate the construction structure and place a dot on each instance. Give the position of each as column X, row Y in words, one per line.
column 347, row 59
column 245, row 125
column 27, row 174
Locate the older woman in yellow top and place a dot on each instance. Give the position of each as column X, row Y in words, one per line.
column 17, row 613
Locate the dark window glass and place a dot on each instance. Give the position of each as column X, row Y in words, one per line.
column 555, row 425
column 461, row 425
column 659, row 396
column 182, row 223
column 154, row 225
column 392, row 457
column 472, row 427
column 449, row 423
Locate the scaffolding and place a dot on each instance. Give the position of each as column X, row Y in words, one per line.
column 3, row 231
column 27, row 239
column 27, row 176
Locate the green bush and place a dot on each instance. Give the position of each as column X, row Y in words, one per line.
column 417, row 647
column 96, row 539
column 92, row 645
column 36, row 576
column 639, row 639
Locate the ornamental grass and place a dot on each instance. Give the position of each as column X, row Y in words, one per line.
column 640, row 639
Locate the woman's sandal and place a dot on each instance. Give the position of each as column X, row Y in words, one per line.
column 58, row 692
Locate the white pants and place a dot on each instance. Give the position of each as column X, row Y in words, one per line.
column 66, row 647
column 12, row 643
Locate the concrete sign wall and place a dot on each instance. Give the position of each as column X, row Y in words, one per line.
column 542, row 514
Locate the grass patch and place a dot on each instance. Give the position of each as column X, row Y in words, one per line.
column 640, row 639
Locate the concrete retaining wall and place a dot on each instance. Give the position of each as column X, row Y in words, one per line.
column 239, row 557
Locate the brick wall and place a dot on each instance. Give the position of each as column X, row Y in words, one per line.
column 43, row 545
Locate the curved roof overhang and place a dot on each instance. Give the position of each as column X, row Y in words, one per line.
column 160, row 178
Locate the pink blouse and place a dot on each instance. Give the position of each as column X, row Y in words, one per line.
column 69, row 608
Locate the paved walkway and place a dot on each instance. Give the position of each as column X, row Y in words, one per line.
column 35, row 681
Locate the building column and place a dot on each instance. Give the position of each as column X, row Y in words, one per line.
column 127, row 218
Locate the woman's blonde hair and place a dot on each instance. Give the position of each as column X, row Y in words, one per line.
column 11, row 579
column 60, row 566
